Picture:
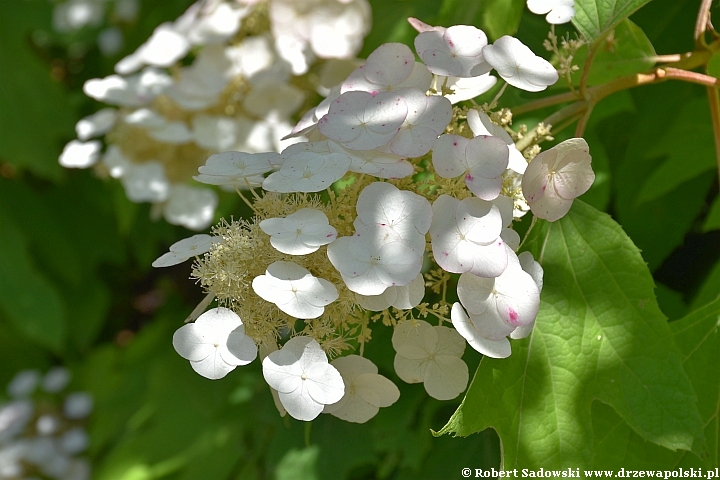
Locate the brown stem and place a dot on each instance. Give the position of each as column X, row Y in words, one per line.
column 714, row 101
column 701, row 24
column 569, row 111
column 583, row 121
column 588, row 63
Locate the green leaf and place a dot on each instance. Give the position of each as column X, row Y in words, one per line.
column 27, row 298
column 709, row 290
column 659, row 226
column 35, row 113
column 698, row 339
column 692, row 127
column 595, row 18
column 712, row 221
column 599, row 335
column 616, row 445
column 629, row 51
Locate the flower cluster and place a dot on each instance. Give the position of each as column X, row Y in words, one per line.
column 248, row 75
column 41, row 433
column 339, row 239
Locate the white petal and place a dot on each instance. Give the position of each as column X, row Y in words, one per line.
column 466, row 328
column 446, row 377
column 415, row 340
column 77, row 154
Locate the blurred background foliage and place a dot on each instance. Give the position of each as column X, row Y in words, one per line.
column 76, row 286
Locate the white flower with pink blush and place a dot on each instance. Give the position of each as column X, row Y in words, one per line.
column 556, row 176
column 482, row 160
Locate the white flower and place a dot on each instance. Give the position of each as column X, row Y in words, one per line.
column 361, row 121
column 77, row 154
column 215, row 343
column 365, row 390
column 558, row 11
column 295, row 290
column 498, row 307
column 96, row 124
column 369, row 265
column 427, row 118
column 556, row 176
column 233, row 168
column 456, row 51
column 397, row 215
column 304, row 379
column 307, row 170
column 466, row 236
column 519, row 66
column 431, row 354
column 390, row 68
column 480, row 124
column 185, row 249
column 402, row 298
column 300, row 233
column 482, row 160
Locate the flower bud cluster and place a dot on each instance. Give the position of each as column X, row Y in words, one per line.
column 247, row 77
column 42, row 430
column 340, row 233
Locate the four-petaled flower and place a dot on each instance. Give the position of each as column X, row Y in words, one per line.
column 303, row 378
column 215, row 343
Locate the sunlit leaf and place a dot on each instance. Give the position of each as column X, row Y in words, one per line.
column 599, row 335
